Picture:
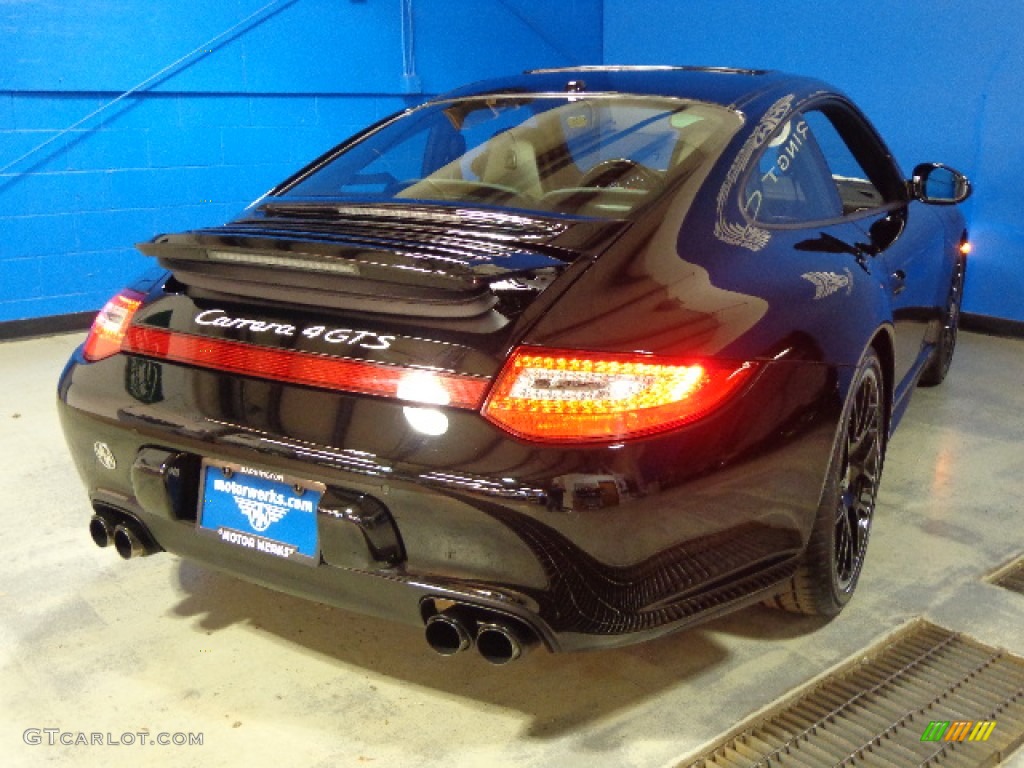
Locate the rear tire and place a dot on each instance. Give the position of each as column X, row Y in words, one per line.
column 828, row 574
column 935, row 371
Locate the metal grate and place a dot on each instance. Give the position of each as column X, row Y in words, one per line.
column 1011, row 577
column 928, row 697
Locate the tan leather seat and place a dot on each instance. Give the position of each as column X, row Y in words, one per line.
column 511, row 161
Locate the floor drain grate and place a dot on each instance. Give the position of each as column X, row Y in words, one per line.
column 1011, row 577
column 927, row 697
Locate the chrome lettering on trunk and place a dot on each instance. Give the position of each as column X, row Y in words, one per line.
column 347, row 336
column 221, row 319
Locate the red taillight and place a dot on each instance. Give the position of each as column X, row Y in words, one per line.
column 561, row 396
column 308, row 368
column 110, row 325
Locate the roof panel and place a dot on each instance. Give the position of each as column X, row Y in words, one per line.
column 717, row 85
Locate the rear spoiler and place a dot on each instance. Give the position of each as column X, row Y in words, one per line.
column 379, row 259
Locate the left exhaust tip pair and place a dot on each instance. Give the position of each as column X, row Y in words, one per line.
column 130, row 539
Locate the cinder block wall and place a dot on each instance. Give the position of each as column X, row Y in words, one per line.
column 215, row 131
column 153, row 163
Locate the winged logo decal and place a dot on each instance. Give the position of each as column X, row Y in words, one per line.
column 827, row 283
column 260, row 514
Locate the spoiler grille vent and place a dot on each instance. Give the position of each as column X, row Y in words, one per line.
column 488, row 223
column 436, row 249
column 396, row 261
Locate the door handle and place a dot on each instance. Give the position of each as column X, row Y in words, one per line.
column 899, row 282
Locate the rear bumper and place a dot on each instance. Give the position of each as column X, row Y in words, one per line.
column 587, row 548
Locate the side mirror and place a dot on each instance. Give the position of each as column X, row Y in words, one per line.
column 937, row 184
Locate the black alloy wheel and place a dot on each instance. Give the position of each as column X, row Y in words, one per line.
column 860, row 470
column 935, row 371
column 828, row 574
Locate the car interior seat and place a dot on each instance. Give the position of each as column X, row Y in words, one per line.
column 511, row 161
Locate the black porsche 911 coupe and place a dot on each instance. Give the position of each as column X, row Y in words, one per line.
column 575, row 358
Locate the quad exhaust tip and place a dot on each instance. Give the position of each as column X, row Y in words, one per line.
column 128, row 536
column 447, row 633
column 458, row 628
column 101, row 529
column 129, row 542
column 499, row 643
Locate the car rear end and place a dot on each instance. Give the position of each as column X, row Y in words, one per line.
column 343, row 400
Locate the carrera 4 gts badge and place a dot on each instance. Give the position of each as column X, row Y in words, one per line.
column 827, row 283
column 349, row 336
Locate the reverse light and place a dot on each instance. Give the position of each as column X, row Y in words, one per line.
column 111, row 325
column 569, row 396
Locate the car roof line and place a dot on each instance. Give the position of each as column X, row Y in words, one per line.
column 645, row 68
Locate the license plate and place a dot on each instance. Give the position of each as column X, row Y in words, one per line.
column 266, row 512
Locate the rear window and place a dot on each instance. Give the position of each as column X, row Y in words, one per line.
column 597, row 156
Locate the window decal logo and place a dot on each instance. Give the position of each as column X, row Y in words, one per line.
column 747, row 235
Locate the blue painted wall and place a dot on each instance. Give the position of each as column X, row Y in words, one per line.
column 214, row 131
column 940, row 79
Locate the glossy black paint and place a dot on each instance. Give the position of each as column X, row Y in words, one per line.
column 583, row 547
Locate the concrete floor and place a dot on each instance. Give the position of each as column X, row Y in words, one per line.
column 89, row 643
